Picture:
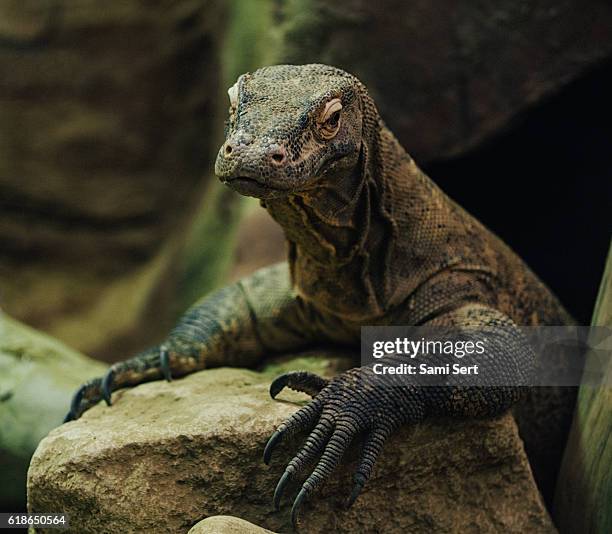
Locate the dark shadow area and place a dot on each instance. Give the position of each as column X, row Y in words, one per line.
column 545, row 187
column 14, row 472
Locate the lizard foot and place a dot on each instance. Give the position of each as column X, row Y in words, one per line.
column 348, row 405
column 150, row 365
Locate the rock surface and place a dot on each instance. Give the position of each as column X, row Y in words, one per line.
column 167, row 455
column 38, row 376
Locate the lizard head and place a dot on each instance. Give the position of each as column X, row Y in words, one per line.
column 290, row 128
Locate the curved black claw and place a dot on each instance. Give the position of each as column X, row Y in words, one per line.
column 272, row 442
column 278, row 384
column 302, row 381
column 107, row 385
column 297, row 505
column 164, row 363
column 359, row 483
column 280, row 488
column 75, row 404
column 85, row 397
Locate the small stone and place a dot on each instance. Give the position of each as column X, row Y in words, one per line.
column 225, row 524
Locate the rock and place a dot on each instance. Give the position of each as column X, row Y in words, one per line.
column 167, row 455
column 447, row 75
column 109, row 126
column 583, row 500
column 224, row 524
column 38, row 376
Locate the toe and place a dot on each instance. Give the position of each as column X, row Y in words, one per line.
column 301, row 381
column 85, row 397
column 312, row 447
column 303, row 419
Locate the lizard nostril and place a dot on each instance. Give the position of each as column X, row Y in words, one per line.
column 278, row 155
column 228, row 149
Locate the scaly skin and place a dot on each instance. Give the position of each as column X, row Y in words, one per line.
column 372, row 241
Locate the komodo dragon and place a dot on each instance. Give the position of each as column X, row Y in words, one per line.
column 371, row 241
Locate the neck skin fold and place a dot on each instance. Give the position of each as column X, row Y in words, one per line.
column 330, row 221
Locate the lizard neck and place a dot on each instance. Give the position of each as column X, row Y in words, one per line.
column 326, row 223
column 340, row 236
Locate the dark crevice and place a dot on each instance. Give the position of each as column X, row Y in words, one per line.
column 545, row 187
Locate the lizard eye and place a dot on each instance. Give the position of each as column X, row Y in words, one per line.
column 329, row 121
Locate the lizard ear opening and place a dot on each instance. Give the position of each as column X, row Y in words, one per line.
column 329, row 121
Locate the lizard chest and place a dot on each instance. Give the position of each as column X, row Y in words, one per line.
column 344, row 291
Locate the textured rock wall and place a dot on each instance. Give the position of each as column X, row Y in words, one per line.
column 108, row 125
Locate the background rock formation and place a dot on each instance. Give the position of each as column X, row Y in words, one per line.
column 109, row 122
column 448, row 75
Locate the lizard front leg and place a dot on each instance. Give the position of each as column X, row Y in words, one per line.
column 360, row 402
column 234, row 326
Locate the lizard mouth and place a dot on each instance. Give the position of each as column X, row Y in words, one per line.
column 252, row 187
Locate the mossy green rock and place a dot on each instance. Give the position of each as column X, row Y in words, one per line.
column 38, row 376
column 584, row 493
